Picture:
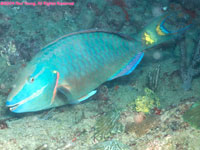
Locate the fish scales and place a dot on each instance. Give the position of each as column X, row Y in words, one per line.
column 98, row 55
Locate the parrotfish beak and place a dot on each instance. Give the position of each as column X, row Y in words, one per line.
column 18, row 104
column 34, row 91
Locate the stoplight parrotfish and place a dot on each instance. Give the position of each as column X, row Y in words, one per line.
column 69, row 70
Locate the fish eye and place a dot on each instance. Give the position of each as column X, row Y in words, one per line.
column 31, row 79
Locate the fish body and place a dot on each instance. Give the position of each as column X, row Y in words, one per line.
column 68, row 70
column 86, row 60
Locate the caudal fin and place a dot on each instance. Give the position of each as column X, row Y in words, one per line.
column 161, row 29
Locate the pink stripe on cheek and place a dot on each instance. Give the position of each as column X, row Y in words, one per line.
column 56, row 85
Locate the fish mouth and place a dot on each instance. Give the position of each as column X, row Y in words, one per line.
column 13, row 107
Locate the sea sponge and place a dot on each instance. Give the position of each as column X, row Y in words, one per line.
column 192, row 116
column 139, row 117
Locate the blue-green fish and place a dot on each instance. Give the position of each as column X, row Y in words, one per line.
column 69, row 70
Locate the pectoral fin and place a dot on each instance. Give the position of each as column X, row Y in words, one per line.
column 65, row 90
column 84, row 97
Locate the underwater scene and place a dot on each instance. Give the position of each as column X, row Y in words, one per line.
column 100, row 75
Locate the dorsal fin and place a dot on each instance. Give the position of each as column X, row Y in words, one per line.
column 89, row 31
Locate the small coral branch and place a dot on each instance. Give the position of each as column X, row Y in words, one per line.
column 153, row 78
column 191, row 69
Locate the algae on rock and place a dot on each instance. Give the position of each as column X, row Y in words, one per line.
column 140, row 129
column 110, row 145
column 192, row 116
column 108, row 125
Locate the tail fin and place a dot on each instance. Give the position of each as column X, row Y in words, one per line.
column 160, row 30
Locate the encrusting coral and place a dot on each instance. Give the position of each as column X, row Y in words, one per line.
column 146, row 103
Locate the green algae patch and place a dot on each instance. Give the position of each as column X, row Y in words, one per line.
column 192, row 116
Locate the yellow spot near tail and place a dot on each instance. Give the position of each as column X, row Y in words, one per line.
column 148, row 39
column 159, row 31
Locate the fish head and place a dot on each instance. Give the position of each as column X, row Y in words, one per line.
column 33, row 90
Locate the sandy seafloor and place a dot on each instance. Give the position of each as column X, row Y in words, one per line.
column 24, row 30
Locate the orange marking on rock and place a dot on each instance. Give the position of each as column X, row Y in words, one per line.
column 116, row 87
column 74, row 139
